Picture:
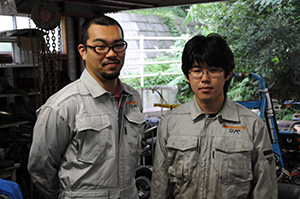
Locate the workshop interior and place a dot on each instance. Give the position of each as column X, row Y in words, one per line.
column 43, row 58
column 38, row 64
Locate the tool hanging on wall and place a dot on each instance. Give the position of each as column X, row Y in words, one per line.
column 46, row 16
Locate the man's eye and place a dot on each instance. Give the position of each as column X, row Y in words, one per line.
column 101, row 47
column 119, row 46
column 197, row 71
column 213, row 70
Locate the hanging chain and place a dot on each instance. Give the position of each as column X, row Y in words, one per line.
column 48, row 85
column 54, row 60
column 35, row 69
column 41, row 54
column 48, row 61
column 59, row 57
column 44, row 71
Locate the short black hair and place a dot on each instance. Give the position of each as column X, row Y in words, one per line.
column 100, row 20
column 211, row 50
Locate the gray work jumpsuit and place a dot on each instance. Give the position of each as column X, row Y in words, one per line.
column 84, row 146
column 226, row 156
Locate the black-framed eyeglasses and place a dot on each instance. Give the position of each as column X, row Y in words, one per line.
column 102, row 49
column 198, row 73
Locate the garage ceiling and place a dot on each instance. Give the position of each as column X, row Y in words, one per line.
column 90, row 7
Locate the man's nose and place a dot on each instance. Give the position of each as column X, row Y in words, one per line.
column 111, row 52
column 205, row 76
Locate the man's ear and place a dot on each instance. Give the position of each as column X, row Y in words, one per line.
column 186, row 79
column 82, row 51
column 229, row 76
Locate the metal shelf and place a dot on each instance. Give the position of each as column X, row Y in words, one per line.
column 11, row 39
column 16, row 65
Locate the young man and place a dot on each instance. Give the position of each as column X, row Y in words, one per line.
column 212, row 147
column 87, row 137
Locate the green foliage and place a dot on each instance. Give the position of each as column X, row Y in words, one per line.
column 168, row 15
column 134, row 82
column 157, row 69
column 244, row 90
column 203, row 14
column 264, row 36
column 286, row 114
column 184, row 94
column 176, row 11
column 150, row 81
column 158, row 80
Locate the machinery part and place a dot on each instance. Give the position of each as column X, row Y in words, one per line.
column 45, row 15
column 295, row 175
column 288, row 191
column 170, row 106
column 292, row 125
column 267, row 113
column 143, row 185
column 143, row 181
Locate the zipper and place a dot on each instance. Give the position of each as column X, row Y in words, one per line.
column 121, row 110
column 121, row 115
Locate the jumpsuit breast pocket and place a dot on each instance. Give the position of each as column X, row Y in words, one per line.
column 94, row 139
column 134, row 127
column 182, row 157
column 232, row 161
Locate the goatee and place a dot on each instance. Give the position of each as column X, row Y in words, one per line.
column 110, row 76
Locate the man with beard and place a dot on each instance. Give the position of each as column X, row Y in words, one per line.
column 87, row 136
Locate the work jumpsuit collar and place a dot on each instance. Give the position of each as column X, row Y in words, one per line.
column 227, row 112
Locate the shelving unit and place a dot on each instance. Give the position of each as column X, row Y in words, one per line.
column 23, row 77
column 17, row 105
column 21, row 59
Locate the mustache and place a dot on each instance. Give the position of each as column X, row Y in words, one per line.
column 111, row 60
